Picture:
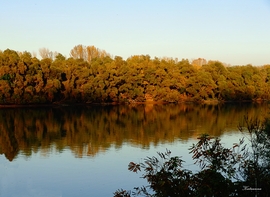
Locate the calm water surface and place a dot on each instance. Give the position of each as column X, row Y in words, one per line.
column 84, row 151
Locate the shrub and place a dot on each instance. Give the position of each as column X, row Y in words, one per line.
column 241, row 170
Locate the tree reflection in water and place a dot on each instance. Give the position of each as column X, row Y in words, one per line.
column 88, row 130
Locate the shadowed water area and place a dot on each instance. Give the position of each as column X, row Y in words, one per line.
column 85, row 150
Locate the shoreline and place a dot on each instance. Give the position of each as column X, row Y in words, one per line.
column 69, row 104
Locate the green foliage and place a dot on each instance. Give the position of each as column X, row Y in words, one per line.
column 59, row 57
column 255, row 169
column 211, row 155
column 242, row 170
column 91, row 75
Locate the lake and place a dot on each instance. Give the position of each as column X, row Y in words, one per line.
column 85, row 150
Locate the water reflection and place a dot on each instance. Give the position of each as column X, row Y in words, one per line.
column 89, row 130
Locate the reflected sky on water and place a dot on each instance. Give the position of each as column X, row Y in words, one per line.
column 62, row 174
column 85, row 151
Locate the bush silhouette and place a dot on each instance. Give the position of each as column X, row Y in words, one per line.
column 242, row 170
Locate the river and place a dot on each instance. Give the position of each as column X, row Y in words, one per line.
column 85, row 150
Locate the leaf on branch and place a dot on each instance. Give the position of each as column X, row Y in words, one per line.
column 122, row 193
column 134, row 167
column 235, row 145
column 243, row 148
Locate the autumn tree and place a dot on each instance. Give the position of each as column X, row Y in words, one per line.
column 219, row 75
column 199, row 62
column 87, row 53
column 201, row 86
column 91, row 75
column 45, row 53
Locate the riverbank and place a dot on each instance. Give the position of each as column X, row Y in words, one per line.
column 68, row 104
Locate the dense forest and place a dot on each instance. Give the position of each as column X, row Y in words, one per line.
column 92, row 75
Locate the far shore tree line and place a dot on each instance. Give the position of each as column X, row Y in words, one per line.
column 92, row 75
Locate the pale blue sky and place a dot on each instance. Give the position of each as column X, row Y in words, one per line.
column 236, row 32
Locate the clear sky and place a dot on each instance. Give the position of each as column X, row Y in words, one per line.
column 235, row 32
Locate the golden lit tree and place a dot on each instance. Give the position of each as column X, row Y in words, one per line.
column 87, row 53
column 45, row 53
